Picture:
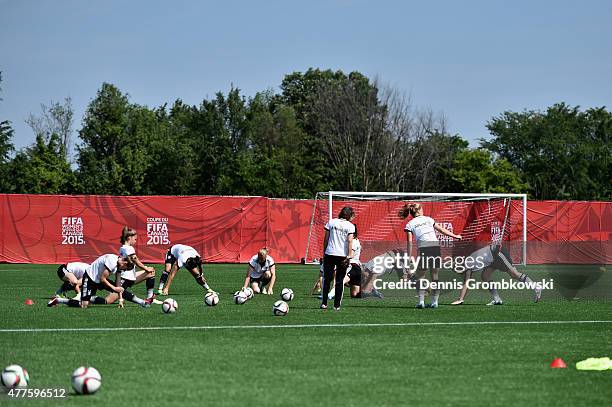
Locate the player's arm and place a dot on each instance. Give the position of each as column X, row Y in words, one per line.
column 247, row 279
column 77, row 286
column 350, row 249
column 134, row 259
column 113, row 288
column 466, row 276
column 446, row 232
column 272, row 279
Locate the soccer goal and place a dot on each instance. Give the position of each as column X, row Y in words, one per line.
column 479, row 218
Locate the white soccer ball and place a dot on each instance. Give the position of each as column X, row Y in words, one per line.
column 169, row 306
column 15, row 376
column 240, row 297
column 287, row 294
column 280, row 308
column 86, row 380
column 211, row 299
column 249, row 292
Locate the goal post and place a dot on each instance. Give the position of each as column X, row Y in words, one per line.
column 477, row 217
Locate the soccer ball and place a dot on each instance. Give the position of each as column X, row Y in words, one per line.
column 280, row 308
column 86, row 380
column 211, row 299
column 249, row 292
column 240, row 297
column 169, row 306
column 287, row 294
column 15, row 376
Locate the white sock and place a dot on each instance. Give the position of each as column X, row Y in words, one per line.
column 495, row 295
column 63, row 300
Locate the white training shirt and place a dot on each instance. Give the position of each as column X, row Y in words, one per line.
column 126, row 251
column 77, row 268
column 339, row 229
column 96, row 269
column 258, row 269
column 482, row 258
column 422, row 229
column 356, row 252
column 182, row 253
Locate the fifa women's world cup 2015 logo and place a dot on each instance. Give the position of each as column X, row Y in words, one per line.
column 72, row 230
column 157, row 231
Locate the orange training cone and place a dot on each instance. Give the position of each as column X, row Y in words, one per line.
column 29, row 302
column 558, row 363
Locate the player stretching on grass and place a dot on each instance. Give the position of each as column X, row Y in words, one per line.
column 494, row 257
column 96, row 278
column 178, row 256
column 71, row 274
column 353, row 276
column 424, row 230
column 338, row 249
column 261, row 272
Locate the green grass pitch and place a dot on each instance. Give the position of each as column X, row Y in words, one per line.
column 348, row 363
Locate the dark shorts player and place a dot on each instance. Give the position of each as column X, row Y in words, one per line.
column 71, row 275
column 178, row 256
column 261, row 273
column 95, row 278
column 489, row 259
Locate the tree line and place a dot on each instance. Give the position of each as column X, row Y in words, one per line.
column 324, row 130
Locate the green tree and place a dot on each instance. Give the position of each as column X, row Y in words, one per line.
column 6, row 148
column 41, row 169
column 563, row 153
column 475, row 170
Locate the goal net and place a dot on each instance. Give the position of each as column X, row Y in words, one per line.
column 480, row 219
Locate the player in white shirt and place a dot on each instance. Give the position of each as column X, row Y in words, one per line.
column 178, row 256
column 96, row 278
column 488, row 259
column 131, row 277
column 354, row 273
column 338, row 251
column 71, row 274
column 261, row 273
column 424, row 230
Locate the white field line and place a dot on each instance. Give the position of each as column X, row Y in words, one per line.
column 230, row 327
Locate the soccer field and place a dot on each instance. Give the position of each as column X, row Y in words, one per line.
column 372, row 352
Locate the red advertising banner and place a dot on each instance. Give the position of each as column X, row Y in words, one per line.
column 62, row 228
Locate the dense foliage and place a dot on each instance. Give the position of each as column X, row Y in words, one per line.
column 323, row 130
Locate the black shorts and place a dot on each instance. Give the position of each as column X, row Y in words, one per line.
column 355, row 275
column 61, row 272
column 89, row 288
column 503, row 261
column 125, row 283
column 170, row 259
column 193, row 262
column 261, row 280
column 430, row 257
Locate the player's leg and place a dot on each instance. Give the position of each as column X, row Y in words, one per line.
column 329, row 265
column 169, row 263
column 339, row 286
column 503, row 262
column 194, row 266
column 148, row 278
column 486, row 276
column 264, row 281
column 355, row 280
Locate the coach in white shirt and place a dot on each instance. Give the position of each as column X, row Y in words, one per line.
column 338, row 247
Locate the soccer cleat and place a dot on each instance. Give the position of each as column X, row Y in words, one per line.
column 156, row 301
column 336, row 308
column 538, row 295
column 323, row 306
column 53, row 302
column 159, row 292
column 494, row 302
column 147, row 302
column 264, row 291
column 432, row 305
column 420, row 305
column 458, row 302
column 377, row 294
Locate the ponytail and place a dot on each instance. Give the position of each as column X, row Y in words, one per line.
column 409, row 209
column 125, row 233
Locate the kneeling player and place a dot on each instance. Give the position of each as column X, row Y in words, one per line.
column 353, row 276
column 494, row 257
column 178, row 256
column 71, row 274
column 96, row 278
column 261, row 273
